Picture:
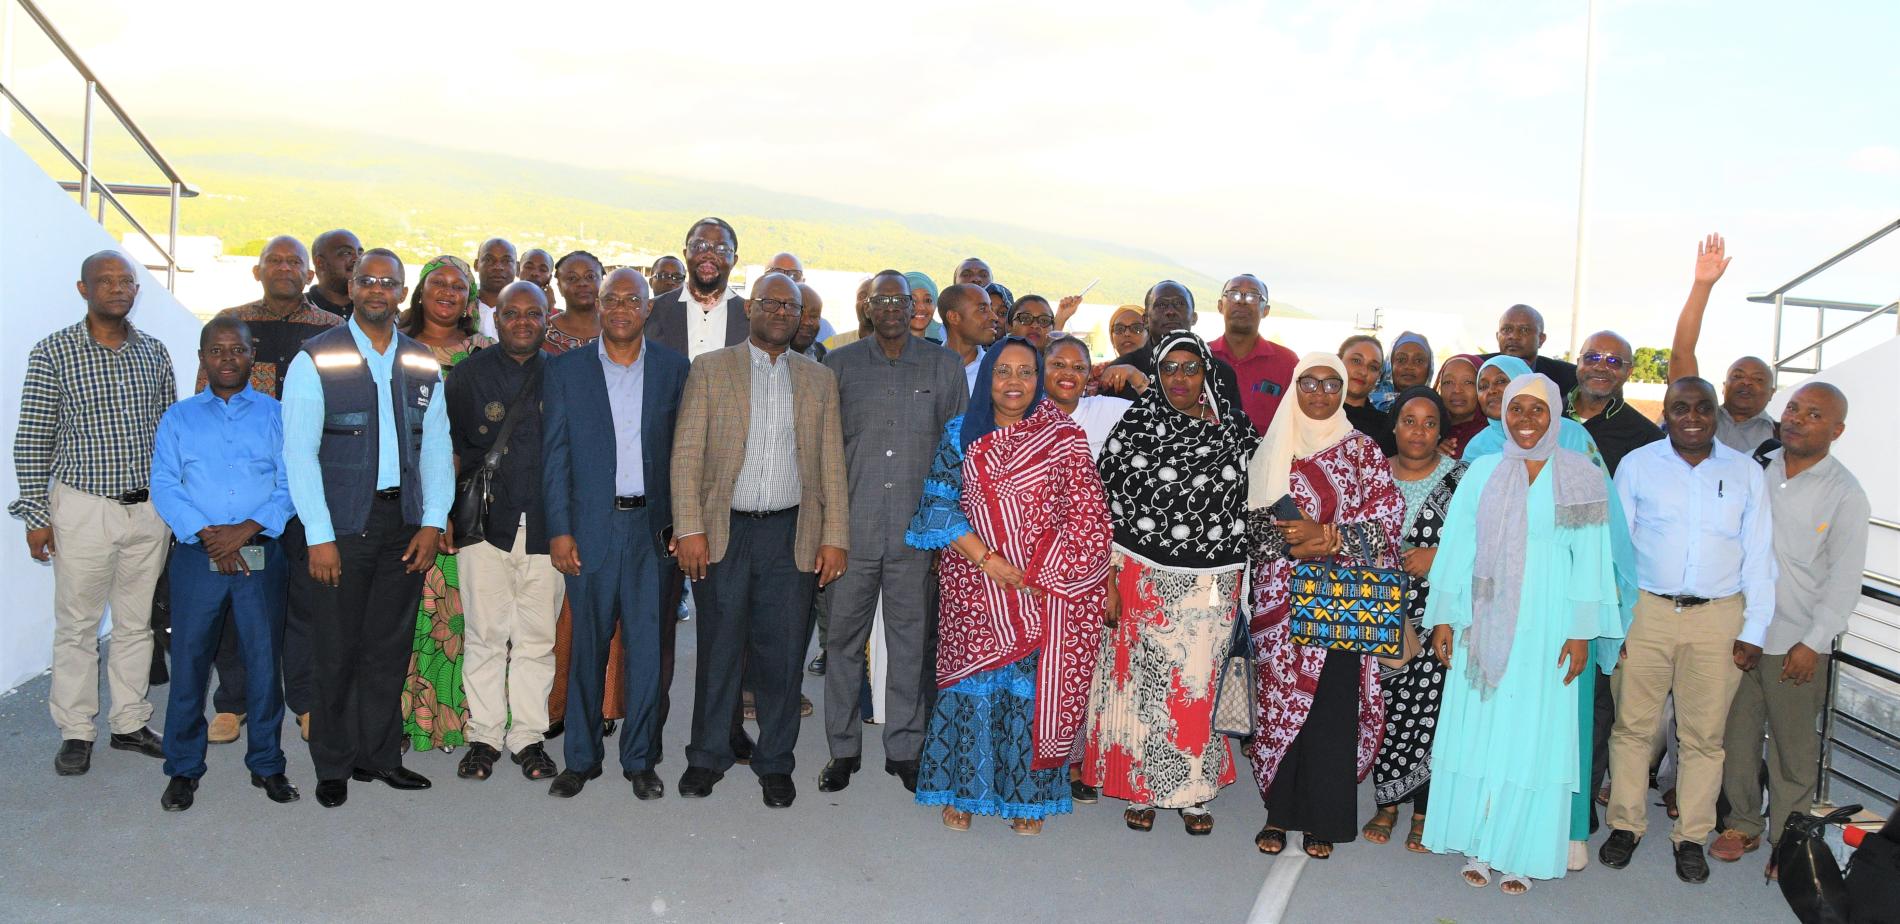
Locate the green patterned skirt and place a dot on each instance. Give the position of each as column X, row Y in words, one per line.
column 434, row 707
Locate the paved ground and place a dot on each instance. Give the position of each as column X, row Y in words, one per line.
column 97, row 848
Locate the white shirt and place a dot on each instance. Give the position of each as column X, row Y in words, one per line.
column 485, row 320
column 969, row 371
column 705, row 326
column 1098, row 415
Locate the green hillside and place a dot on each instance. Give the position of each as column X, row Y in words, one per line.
column 259, row 181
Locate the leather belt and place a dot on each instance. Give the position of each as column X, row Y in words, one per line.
column 630, row 501
column 389, row 493
column 1683, row 601
column 762, row 514
column 129, row 498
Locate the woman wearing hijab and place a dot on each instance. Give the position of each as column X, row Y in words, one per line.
column 1128, row 329
column 1524, row 581
column 1320, row 711
column 1494, row 378
column 441, row 315
column 1014, row 497
column 1411, row 362
column 1175, row 472
column 924, row 321
column 1427, row 478
column 1458, row 386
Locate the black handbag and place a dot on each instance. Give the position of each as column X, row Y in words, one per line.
column 473, row 493
column 1805, row 867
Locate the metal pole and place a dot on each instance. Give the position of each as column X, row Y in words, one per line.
column 1583, row 176
column 171, row 255
column 1820, row 331
column 1779, row 359
column 85, row 151
column 6, row 63
column 1822, row 770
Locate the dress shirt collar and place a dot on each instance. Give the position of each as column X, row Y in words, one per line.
column 363, row 342
column 720, row 298
column 762, row 358
column 245, row 395
column 1718, row 452
column 605, row 360
column 1610, row 407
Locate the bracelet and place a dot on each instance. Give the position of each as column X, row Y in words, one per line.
column 985, row 559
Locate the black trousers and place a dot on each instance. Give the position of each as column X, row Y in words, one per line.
column 753, row 610
column 672, row 588
column 621, row 590
column 363, row 631
column 300, row 681
column 1316, row 788
column 1603, row 720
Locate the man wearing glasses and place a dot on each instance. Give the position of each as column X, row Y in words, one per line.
column 1597, row 401
column 1521, row 333
column 667, row 276
column 759, row 511
column 705, row 314
column 1170, row 307
column 1263, row 367
column 366, row 450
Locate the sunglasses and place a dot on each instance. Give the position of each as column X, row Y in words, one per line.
column 1191, row 367
column 1608, row 359
column 378, row 282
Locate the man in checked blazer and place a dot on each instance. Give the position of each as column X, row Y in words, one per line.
column 759, row 513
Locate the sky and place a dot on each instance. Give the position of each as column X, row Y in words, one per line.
column 1415, row 154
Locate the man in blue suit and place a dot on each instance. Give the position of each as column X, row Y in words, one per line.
column 609, row 413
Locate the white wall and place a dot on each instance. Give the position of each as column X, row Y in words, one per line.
column 43, row 237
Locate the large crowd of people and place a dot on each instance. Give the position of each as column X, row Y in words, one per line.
column 435, row 513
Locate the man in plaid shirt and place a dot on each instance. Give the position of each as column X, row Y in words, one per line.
column 83, row 455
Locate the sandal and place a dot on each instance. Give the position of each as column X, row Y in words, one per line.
column 1415, row 839
column 1379, row 829
column 1515, row 885
column 1027, row 827
column 1316, row 848
column 955, row 820
column 1477, row 873
column 1199, row 821
column 1669, row 804
column 1139, row 819
column 1270, row 841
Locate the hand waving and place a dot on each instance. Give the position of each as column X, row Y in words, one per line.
column 1711, row 260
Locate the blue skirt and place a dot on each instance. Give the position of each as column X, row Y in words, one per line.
column 977, row 752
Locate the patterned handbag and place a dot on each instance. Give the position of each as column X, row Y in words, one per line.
column 1234, row 693
column 1348, row 608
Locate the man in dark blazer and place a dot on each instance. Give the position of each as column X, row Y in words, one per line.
column 609, row 413
column 704, row 314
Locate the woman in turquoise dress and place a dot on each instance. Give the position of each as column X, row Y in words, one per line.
column 1524, row 582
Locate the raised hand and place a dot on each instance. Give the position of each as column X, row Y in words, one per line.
column 1711, row 260
column 1066, row 309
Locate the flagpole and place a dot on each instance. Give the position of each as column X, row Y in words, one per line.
column 1583, row 176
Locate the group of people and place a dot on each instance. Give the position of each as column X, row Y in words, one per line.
column 440, row 514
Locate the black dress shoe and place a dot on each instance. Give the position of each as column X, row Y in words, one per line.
column 817, row 665
column 479, row 762
column 535, row 763
column 646, row 785
column 276, row 787
column 1081, row 792
column 178, row 792
column 837, row 773
column 397, row 777
column 74, row 757
column 778, row 790
column 555, row 728
column 570, row 783
column 144, row 741
column 608, row 727
column 741, row 746
column 1691, row 865
column 697, row 782
column 332, row 793
column 1615, row 852
column 904, row 770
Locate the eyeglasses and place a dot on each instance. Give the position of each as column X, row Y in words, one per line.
column 1245, row 298
column 1035, row 320
column 669, row 277
column 775, row 306
column 378, row 282
column 697, row 248
column 1191, row 367
column 1608, row 359
column 890, row 302
column 1313, row 386
column 1126, row 330
column 629, row 302
column 1169, row 304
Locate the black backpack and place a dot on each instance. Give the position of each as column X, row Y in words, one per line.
column 1810, row 878
column 1873, row 877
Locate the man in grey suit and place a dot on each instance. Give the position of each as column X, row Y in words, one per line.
column 704, row 314
column 895, row 394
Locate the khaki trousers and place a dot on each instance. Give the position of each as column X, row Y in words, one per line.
column 1794, row 746
column 1691, row 653
column 104, row 552
column 510, row 601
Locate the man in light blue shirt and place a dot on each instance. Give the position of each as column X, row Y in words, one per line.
column 218, row 482
column 1699, row 517
column 366, row 448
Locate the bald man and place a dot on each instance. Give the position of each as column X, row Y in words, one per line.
column 806, row 340
column 1603, row 367
column 1521, row 334
column 787, row 263
column 333, row 256
column 495, row 266
column 1820, row 538
column 1743, row 424
column 973, row 272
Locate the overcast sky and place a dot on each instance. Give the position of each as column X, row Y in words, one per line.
column 1408, row 154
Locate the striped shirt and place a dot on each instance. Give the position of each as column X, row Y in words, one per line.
column 768, row 479
column 88, row 415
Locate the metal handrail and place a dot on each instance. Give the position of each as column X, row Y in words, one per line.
column 1824, row 265
column 88, row 183
column 1825, row 770
column 1785, row 361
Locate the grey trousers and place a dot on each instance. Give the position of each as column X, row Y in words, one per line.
column 1794, row 746
column 854, row 597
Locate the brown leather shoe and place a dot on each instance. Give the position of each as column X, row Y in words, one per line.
column 1732, row 844
column 224, row 728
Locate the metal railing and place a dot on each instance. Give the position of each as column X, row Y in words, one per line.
column 1831, row 711
column 1785, row 361
column 89, row 186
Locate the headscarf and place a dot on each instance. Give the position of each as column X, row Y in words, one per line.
column 920, row 281
column 1497, row 577
column 1176, row 482
column 999, row 291
column 1471, row 358
column 1492, row 437
column 1293, row 435
column 1405, row 397
column 1409, row 337
column 411, row 320
column 979, row 419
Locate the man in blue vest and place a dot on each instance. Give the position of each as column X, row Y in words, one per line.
column 366, row 447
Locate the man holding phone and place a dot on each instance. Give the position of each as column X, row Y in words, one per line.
column 219, row 483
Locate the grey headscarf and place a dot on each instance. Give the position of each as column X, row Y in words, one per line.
column 1497, row 576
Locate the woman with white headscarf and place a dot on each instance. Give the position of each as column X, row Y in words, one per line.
column 1320, row 712
column 1523, row 582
